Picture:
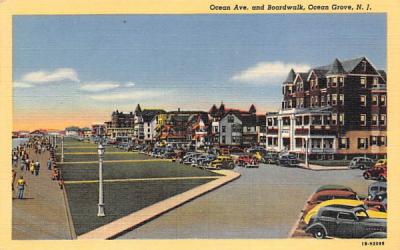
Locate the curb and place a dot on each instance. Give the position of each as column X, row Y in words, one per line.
column 297, row 223
column 138, row 218
column 69, row 216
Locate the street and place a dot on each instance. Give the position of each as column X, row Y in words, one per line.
column 263, row 203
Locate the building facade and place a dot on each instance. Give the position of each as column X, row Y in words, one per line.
column 333, row 111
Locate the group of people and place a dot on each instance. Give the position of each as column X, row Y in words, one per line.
column 20, row 154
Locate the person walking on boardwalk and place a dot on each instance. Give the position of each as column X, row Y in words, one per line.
column 49, row 164
column 27, row 163
column 37, row 167
column 15, row 160
column 23, row 165
column 14, row 175
column 21, row 187
column 32, row 167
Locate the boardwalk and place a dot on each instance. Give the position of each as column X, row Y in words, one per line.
column 42, row 214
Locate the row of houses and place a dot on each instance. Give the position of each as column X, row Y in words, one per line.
column 335, row 111
column 222, row 126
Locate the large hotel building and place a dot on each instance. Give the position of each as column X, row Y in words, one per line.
column 336, row 111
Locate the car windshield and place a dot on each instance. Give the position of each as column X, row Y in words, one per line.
column 361, row 215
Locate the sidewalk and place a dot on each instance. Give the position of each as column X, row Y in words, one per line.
column 43, row 213
column 322, row 168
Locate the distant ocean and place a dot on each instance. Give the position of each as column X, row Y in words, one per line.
column 18, row 141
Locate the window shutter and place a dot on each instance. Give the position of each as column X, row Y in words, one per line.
column 366, row 143
column 348, row 143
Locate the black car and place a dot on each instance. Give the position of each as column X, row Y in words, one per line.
column 288, row 160
column 346, row 223
column 271, row 158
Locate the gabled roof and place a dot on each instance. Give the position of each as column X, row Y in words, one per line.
column 348, row 65
column 291, row 76
column 383, row 74
column 336, row 68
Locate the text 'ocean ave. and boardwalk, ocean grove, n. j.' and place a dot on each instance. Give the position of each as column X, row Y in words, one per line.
column 291, row 7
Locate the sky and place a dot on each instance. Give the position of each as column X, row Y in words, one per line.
column 76, row 69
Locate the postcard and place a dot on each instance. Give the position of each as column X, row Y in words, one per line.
column 204, row 124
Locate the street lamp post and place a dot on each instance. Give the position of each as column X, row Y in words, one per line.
column 62, row 148
column 100, row 152
column 307, row 164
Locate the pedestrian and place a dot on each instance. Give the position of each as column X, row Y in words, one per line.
column 21, row 187
column 15, row 161
column 32, row 167
column 37, row 168
column 14, row 175
column 27, row 164
column 23, row 165
column 49, row 163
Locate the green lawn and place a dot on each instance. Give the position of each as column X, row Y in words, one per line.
column 120, row 199
column 131, row 170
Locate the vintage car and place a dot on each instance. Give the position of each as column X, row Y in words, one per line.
column 247, row 161
column 222, row 162
column 334, row 187
column 288, row 160
column 346, row 203
column 346, row 223
column 376, row 187
column 271, row 158
column 361, row 163
column 381, row 162
column 325, row 195
column 376, row 173
column 377, row 201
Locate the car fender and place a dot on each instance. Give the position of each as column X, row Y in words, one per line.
column 316, row 225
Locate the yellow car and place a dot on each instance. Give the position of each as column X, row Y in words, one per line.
column 343, row 203
column 222, row 162
column 258, row 156
column 381, row 162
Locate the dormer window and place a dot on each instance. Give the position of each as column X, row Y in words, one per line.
column 364, row 65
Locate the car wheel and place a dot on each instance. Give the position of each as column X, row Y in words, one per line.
column 319, row 233
column 366, row 176
column 382, row 178
column 362, row 167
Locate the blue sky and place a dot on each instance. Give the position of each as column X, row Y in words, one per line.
column 80, row 68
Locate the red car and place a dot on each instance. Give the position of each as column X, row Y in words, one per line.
column 377, row 173
column 325, row 195
column 247, row 161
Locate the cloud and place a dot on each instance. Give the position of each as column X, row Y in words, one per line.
column 99, row 86
column 57, row 75
column 268, row 72
column 130, row 84
column 22, row 85
column 133, row 95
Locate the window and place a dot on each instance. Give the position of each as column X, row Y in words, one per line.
column 363, row 81
column 375, row 120
column 148, row 130
column 323, row 100
column 374, row 140
column 341, row 99
column 341, row 82
column 374, row 100
column 383, row 100
column 383, row 120
column 334, row 82
column 346, row 216
column 343, row 143
column 334, row 99
column 269, row 120
column 330, row 214
column 382, row 140
column 223, row 129
column 363, row 101
column 334, row 119
column 341, row 119
column 362, row 143
column 298, row 120
column 223, row 139
column 328, row 99
column 363, row 120
column 376, row 81
column 231, row 119
column 306, row 120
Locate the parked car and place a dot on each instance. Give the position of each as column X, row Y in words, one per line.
column 376, row 173
column 361, row 163
column 288, row 160
column 381, row 162
column 346, row 223
column 271, row 158
column 325, row 195
column 222, row 162
column 247, row 161
column 168, row 155
column 377, row 201
column 343, row 203
column 205, row 160
column 377, row 187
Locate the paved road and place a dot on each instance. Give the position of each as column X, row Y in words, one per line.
column 42, row 215
column 263, row 203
